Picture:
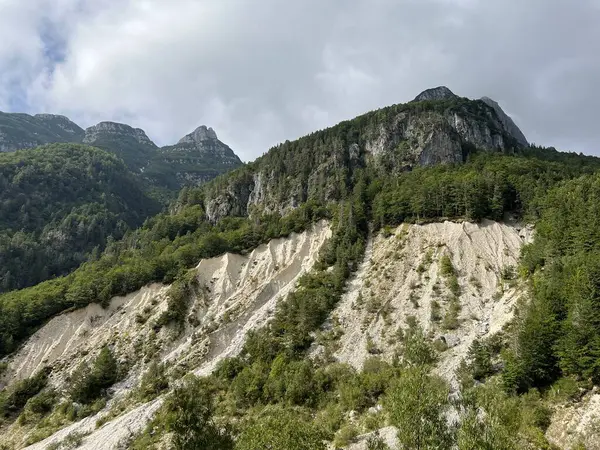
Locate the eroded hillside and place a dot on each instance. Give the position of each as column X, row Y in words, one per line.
column 402, row 278
column 236, row 293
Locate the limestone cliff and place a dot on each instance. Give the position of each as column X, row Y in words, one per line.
column 437, row 128
column 19, row 131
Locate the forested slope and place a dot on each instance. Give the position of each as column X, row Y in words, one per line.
column 58, row 204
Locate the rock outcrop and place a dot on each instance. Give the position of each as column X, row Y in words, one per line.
column 442, row 130
column 436, row 93
column 113, row 130
column 196, row 158
column 20, row 131
column 400, row 278
column 507, row 122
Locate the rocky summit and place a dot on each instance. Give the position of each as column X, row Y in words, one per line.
column 436, row 93
column 445, row 129
column 19, row 131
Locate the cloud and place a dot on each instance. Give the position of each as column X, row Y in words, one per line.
column 264, row 71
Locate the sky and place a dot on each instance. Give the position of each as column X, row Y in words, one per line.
column 263, row 71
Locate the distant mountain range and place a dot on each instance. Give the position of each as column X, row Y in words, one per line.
column 195, row 159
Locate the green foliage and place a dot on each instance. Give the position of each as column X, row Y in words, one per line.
column 281, row 428
column 486, row 186
column 416, row 403
column 164, row 247
column 558, row 331
column 345, row 436
column 189, row 411
column 89, row 383
column 418, row 350
column 494, row 420
column 375, row 442
column 446, row 266
column 58, row 205
column 179, row 296
column 153, row 383
column 14, row 399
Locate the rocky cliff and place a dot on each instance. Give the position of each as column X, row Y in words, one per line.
column 438, row 127
column 18, row 131
column 103, row 130
column 507, row 122
column 196, row 158
column 130, row 144
column 436, row 93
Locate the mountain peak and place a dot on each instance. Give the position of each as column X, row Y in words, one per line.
column 507, row 122
column 436, row 93
column 200, row 134
column 106, row 128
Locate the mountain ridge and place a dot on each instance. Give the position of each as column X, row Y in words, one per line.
column 393, row 205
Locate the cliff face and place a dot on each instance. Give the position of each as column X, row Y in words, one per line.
column 438, row 127
column 197, row 158
column 104, row 130
column 130, row 144
column 18, row 131
column 507, row 122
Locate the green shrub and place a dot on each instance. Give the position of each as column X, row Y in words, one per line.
column 90, row 383
column 14, row 399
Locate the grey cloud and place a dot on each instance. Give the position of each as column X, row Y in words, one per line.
column 264, row 71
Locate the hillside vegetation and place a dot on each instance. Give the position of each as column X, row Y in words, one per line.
column 59, row 204
column 274, row 394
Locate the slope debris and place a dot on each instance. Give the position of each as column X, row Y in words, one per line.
column 401, row 280
column 236, row 293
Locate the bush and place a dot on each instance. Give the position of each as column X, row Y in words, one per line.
column 88, row 384
column 14, row 399
column 281, row 428
column 154, row 381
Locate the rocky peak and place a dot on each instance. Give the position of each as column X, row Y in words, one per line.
column 115, row 129
column 200, row 134
column 509, row 125
column 436, row 93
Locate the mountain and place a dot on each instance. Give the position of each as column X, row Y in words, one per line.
column 60, row 208
column 437, row 128
column 197, row 158
column 19, row 131
column 341, row 291
column 130, row 144
column 508, row 123
column 436, row 93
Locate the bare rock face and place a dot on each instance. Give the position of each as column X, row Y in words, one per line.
column 200, row 134
column 106, row 130
column 436, row 93
column 507, row 122
column 438, row 127
column 20, row 131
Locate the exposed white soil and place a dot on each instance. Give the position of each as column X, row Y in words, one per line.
column 401, row 277
column 237, row 293
column 388, row 435
column 577, row 423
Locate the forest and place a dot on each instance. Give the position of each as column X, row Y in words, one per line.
column 59, row 204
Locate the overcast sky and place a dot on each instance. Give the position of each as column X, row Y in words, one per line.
column 262, row 71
